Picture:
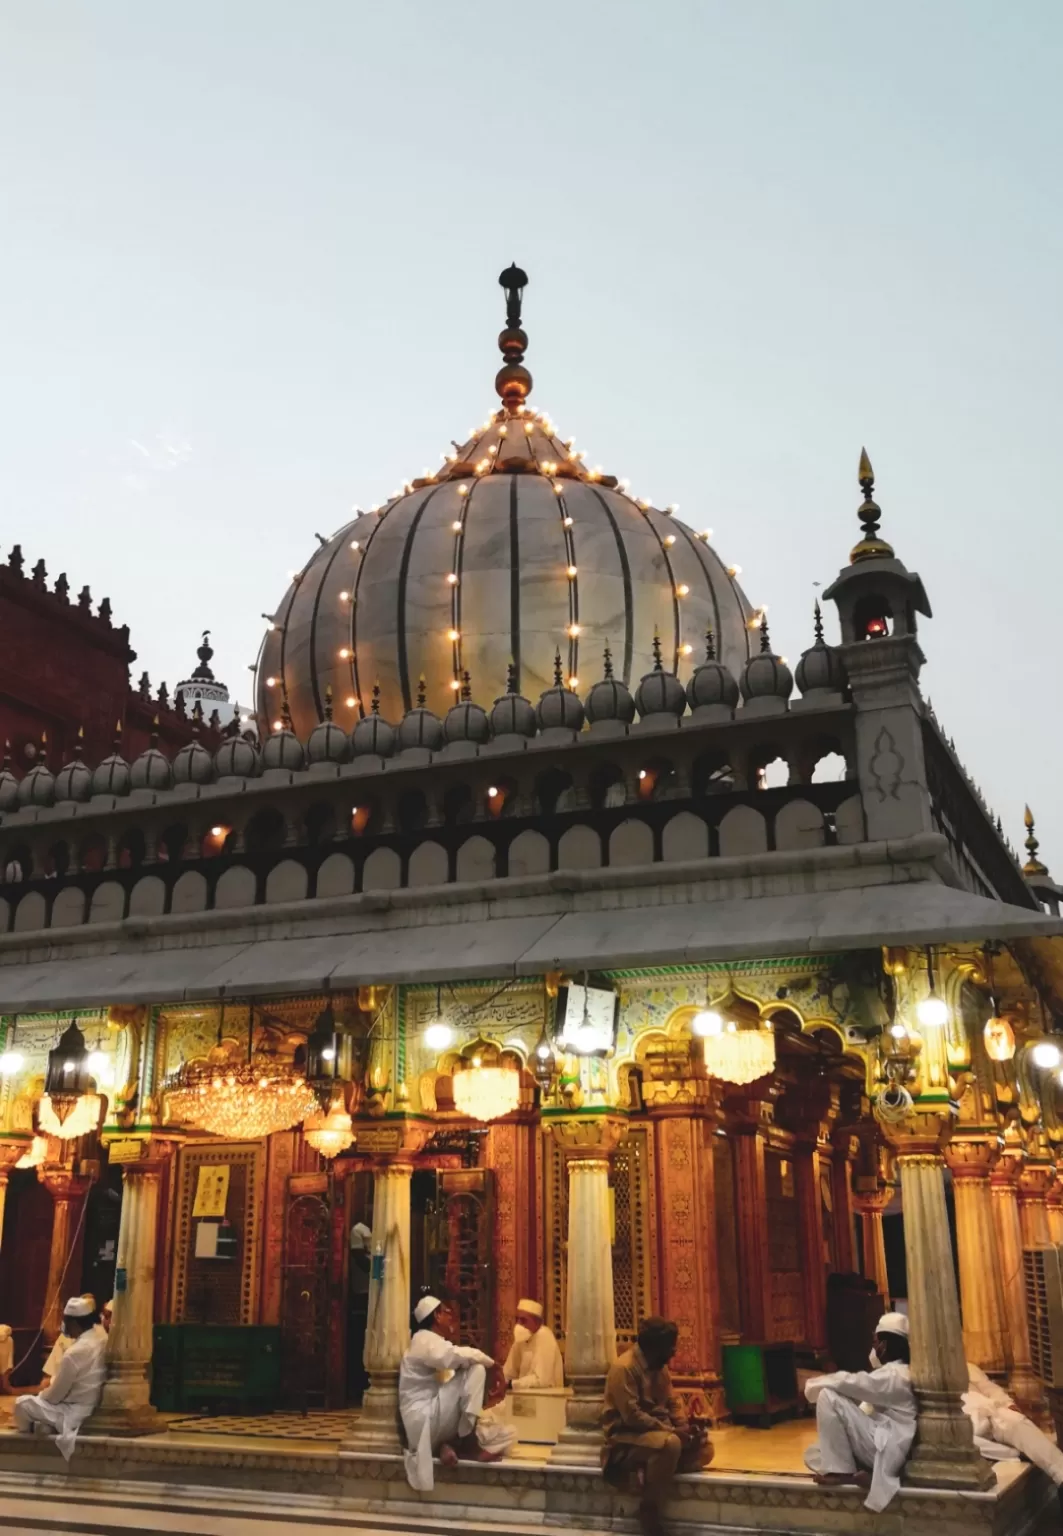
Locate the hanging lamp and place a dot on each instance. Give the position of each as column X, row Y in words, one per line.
column 742, row 1048
column 68, row 1107
column 243, row 1099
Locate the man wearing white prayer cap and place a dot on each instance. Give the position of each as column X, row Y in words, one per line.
column 74, row 1392
column 441, row 1394
column 534, row 1359
column 866, row 1419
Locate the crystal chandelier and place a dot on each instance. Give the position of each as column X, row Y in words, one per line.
column 243, row 1099
column 330, row 1131
column 485, row 1093
column 739, row 1046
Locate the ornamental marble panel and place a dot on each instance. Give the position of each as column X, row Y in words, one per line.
column 189, row 893
column 287, row 881
column 148, row 897
column 68, row 908
column 336, row 876
column 579, row 848
column 428, row 865
column 382, row 871
column 235, row 888
column 529, row 854
column 631, row 843
column 743, row 830
column 30, row 913
column 476, row 859
column 684, row 837
column 108, row 903
column 799, row 824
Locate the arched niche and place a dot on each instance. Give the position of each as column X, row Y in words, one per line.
column 799, row 824
column 108, row 903
column 743, row 831
column 148, row 897
column 630, row 843
column 476, row 860
column 382, row 871
column 579, row 848
column 68, row 908
column 30, row 913
column 428, row 865
column 529, row 854
column 236, row 887
column 189, row 892
column 685, row 836
column 336, row 876
column 286, row 881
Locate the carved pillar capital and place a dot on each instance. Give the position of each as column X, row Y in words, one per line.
column 1035, row 1180
column 63, row 1184
column 587, row 1137
column 973, row 1157
column 872, row 1202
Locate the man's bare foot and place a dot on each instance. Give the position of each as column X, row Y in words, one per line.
column 448, row 1456
column 839, row 1479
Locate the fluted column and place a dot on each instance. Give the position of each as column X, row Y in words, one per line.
column 69, row 1192
column 971, row 1162
column 125, row 1406
column 1023, row 1385
column 1035, row 1181
column 870, row 1205
column 590, row 1327
column 944, row 1454
column 387, row 1333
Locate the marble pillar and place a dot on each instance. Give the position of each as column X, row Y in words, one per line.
column 590, row 1328
column 870, row 1204
column 1023, row 1385
column 749, row 1121
column 69, row 1192
column 971, row 1162
column 125, row 1406
column 944, row 1454
column 388, row 1329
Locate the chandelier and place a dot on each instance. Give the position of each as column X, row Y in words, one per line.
column 243, row 1098
column 330, row 1131
column 739, row 1046
column 68, row 1117
column 68, row 1108
column 485, row 1092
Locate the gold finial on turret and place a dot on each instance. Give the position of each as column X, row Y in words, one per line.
column 1033, row 865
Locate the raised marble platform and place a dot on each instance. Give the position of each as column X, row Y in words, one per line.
column 323, row 1483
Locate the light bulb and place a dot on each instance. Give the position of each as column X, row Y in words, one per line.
column 345, row 597
column 568, row 521
column 453, row 634
column 932, row 1011
column 642, row 773
column 685, row 650
column 492, row 792
column 668, row 540
column 350, row 702
column 438, row 1035
column 455, row 684
column 898, row 1031
column 452, row 579
column 354, row 543
column 328, row 1054
column 707, row 1022
column 573, row 630
column 217, row 831
column 573, row 682
column 463, row 490
column 271, row 682
column 10, row 1063
column 455, row 526
column 682, row 590
column 1045, row 1053
column 344, row 654
column 543, row 1052
column 572, row 571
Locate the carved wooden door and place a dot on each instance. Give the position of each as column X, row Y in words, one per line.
column 305, row 1291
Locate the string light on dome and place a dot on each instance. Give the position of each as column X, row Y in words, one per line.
column 345, row 654
column 549, row 467
column 573, row 630
column 455, row 685
column 354, row 544
column 503, row 430
column 573, row 682
column 671, row 510
column 529, row 427
column 623, row 484
column 668, row 540
column 568, row 521
column 734, row 570
column 453, row 634
column 595, row 473
column 350, row 702
column 644, row 505
column 682, row 590
column 685, row 650
column 345, row 597
column 271, row 682
column 455, row 526
column 572, row 572
column 452, row 579
column 559, row 490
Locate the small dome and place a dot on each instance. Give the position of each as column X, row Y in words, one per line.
column 712, row 682
column 111, row 776
column 74, row 779
column 38, row 786
column 609, row 699
column 283, row 749
column 558, row 706
column 512, row 714
column 765, row 675
column 659, row 692
column 420, row 727
column 373, row 736
column 466, row 721
column 193, row 764
column 821, row 667
column 328, row 742
column 8, row 782
column 237, row 758
column 151, row 770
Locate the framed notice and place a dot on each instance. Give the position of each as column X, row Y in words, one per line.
column 212, row 1191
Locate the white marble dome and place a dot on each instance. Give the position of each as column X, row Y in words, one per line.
column 513, row 548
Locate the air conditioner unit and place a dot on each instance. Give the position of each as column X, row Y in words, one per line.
column 1043, row 1277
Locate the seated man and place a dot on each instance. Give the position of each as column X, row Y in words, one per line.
column 866, row 1419
column 1000, row 1429
column 441, row 1394
column 648, row 1437
column 62, row 1344
column 74, row 1391
column 534, row 1360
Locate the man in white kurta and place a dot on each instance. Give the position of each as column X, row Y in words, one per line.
column 74, row 1392
column 866, row 1419
column 1000, row 1429
column 534, row 1360
column 441, row 1392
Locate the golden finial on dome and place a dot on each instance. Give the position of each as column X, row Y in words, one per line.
column 870, row 513
column 513, row 381
column 1033, row 865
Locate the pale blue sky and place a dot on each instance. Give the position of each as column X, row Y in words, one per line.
column 247, row 281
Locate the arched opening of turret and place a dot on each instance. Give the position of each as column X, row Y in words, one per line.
column 172, row 844
column 131, row 849
column 768, row 767
column 265, row 832
column 17, row 864
column 554, row 792
column 872, row 618
column 412, row 811
column 458, row 805
column 92, row 853
column 656, row 779
column 713, row 774
column 830, row 768
column 607, row 788
column 320, row 824
column 57, row 862
column 500, row 798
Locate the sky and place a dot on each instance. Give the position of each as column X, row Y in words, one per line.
column 248, row 264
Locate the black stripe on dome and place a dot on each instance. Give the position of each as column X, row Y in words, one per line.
column 338, row 545
column 671, row 577
column 296, row 585
column 629, row 597
column 404, row 576
column 697, row 546
column 378, row 520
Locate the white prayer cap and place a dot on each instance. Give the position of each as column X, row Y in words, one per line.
column 77, row 1306
column 425, row 1307
column 893, row 1322
column 532, row 1308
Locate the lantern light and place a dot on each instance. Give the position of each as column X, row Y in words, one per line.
column 1046, row 1054
column 707, row 1022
